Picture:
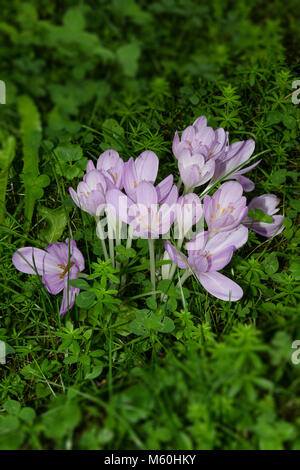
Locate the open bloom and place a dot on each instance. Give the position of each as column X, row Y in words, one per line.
column 207, row 255
column 57, row 264
column 148, row 218
column 233, row 160
column 91, row 191
column 199, row 139
column 267, row 203
column 226, row 208
column 145, row 168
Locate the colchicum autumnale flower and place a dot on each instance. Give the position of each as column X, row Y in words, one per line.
column 226, row 208
column 57, row 264
column 207, row 255
column 148, row 218
column 267, row 204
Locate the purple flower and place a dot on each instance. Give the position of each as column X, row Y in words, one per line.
column 236, row 155
column 111, row 165
column 266, row 203
column 55, row 266
column 194, row 170
column 188, row 212
column 199, row 139
column 148, row 218
column 226, row 208
column 207, row 255
column 90, row 195
column 145, row 168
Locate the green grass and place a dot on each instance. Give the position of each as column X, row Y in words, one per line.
column 127, row 74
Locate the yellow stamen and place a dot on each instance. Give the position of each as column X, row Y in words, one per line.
column 65, row 269
column 231, row 207
column 213, row 216
column 134, row 184
column 115, row 176
column 218, row 207
column 223, row 211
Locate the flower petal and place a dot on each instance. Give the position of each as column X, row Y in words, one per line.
column 176, row 256
column 29, row 260
column 68, row 299
column 220, row 286
column 146, row 166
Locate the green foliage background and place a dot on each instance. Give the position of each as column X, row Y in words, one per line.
column 126, row 74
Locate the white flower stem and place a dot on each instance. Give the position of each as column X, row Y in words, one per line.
column 152, row 264
column 100, row 235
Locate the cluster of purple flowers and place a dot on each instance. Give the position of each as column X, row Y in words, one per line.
column 128, row 193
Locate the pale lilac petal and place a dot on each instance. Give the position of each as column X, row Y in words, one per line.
column 164, row 188
column 146, row 194
column 176, row 256
column 246, row 183
column 74, row 197
column 220, row 286
column 200, row 122
column 267, row 229
column 188, row 211
column 95, row 181
column 188, row 134
column 147, row 166
column 90, row 166
column 267, row 203
column 220, row 259
column 172, row 197
column 221, row 241
column 29, row 260
column 53, row 282
column 59, row 251
column 130, row 179
column 76, row 255
column 175, row 145
column 198, row 243
column 119, row 203
column 68, row 299
column 198, row 262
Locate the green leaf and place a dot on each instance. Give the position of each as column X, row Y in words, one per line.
column 128, row 57
column 96, row 371
column 85, row 299
column 279, row 176
column 80, row 283
column 27, row 414
column 12, row 407
column 56, row 221
column 63, row 416
column 271, row 264
column 259, row 215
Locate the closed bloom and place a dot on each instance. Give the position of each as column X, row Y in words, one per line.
column 145, row 168
column 207, row 255
column 236, row 155
column 90, row 194
column 188, row 212
column 148, row 218
column 226, row 208
column 267, row 203
column 199, row 139
column 111, row 165
column 57, row 264
column 194, row 170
